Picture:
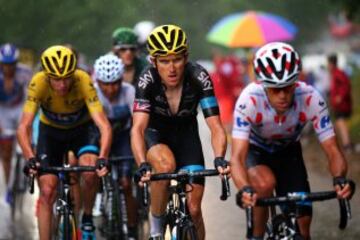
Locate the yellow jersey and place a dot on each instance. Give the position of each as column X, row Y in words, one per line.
column 66, row 111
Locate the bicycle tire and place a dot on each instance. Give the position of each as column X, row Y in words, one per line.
column 59, row 231
column 121, row 211
column 188, row 232
column 143, row 225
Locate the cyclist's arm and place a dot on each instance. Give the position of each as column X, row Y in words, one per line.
column 239, row 150
column 104, row 126
column 337, row 162
column 218, row 135
column 24, row 134
column 140, row 122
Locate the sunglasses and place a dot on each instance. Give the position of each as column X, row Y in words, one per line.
column 124, row 49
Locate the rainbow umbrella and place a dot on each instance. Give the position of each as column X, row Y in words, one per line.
column 251, row 29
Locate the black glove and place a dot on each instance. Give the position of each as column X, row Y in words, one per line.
column 220, row 162
column 141, row 171
column 102, row 162
column 30, row 164
column 342, row 181
column 246, row 189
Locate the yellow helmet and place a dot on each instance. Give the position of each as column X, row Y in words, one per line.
column 58, row 61
column 167, row 39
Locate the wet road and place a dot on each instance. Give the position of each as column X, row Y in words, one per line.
column 224, row 220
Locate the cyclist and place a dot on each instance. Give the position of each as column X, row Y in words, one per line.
column 117, row 98
column 69, row 108
column 268, row 119
column 165, row 127
column 125, row 46
column 143, row 29
column 14, row 78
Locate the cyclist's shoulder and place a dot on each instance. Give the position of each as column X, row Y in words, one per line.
column 38, row 79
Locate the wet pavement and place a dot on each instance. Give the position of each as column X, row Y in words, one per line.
column 224, row 220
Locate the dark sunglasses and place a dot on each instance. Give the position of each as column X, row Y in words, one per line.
column 124, row 49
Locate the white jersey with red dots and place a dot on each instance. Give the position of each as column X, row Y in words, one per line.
column 257, row 121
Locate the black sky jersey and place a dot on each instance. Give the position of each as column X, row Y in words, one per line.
column 197, row 88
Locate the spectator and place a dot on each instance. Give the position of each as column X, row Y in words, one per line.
column 340, row 100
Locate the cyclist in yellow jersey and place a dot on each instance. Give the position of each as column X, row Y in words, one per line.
column 69, row 108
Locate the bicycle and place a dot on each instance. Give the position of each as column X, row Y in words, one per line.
column 65, row 220
column 17, row 182
column 283, row 226
column 178, row 218
column 113, row 206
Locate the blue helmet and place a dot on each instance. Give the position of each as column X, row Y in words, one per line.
column 8, row 53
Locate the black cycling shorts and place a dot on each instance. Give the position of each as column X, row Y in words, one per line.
column 183, row 141
column 54, row 143
column 288, row 168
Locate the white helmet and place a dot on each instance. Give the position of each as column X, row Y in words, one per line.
column 277, row 65
column 108, row 68
column 143, row 30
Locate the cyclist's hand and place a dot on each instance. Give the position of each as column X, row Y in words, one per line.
column 345, row 188
column 143, row 173
column 102, row 167
column 246, row 197
column 222, row 165
column 31, row 166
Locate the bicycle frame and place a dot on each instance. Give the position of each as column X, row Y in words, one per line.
column 178, row 214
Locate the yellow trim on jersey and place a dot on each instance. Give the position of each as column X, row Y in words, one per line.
column 63, row 111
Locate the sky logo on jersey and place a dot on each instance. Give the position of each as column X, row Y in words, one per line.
column 208, row 102
column 325, row 121
column 241, row 123
column 145, row 79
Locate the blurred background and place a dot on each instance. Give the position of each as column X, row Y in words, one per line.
column 223, row 36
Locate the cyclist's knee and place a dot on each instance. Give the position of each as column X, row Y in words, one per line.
column 126, row 184
column 264, row 188
column 90, row 178
column 47, row 195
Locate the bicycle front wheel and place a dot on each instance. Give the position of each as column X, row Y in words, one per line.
column 65, row 228
column 188, row 232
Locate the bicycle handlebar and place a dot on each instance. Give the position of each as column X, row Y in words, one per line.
column 66, row 169
column 183, row 176
column 344, row 206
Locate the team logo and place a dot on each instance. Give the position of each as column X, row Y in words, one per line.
column 205, row 80
column 145, row 79
column 241, row 123
column 325, row 121
column 321, row 103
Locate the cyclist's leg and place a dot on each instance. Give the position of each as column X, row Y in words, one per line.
column 50, row 150
column 194, row 199
column 8, row 123
column 162, row 160
column 75, row 185
column 262, row 179
column 85, row 145
column 47, row 185
column 6, row 151
column 291, row 176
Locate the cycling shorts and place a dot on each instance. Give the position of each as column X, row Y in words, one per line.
column 288, row 168
column 9, row 119
column 54, row 143
column 121, row 148
column 183, row 141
